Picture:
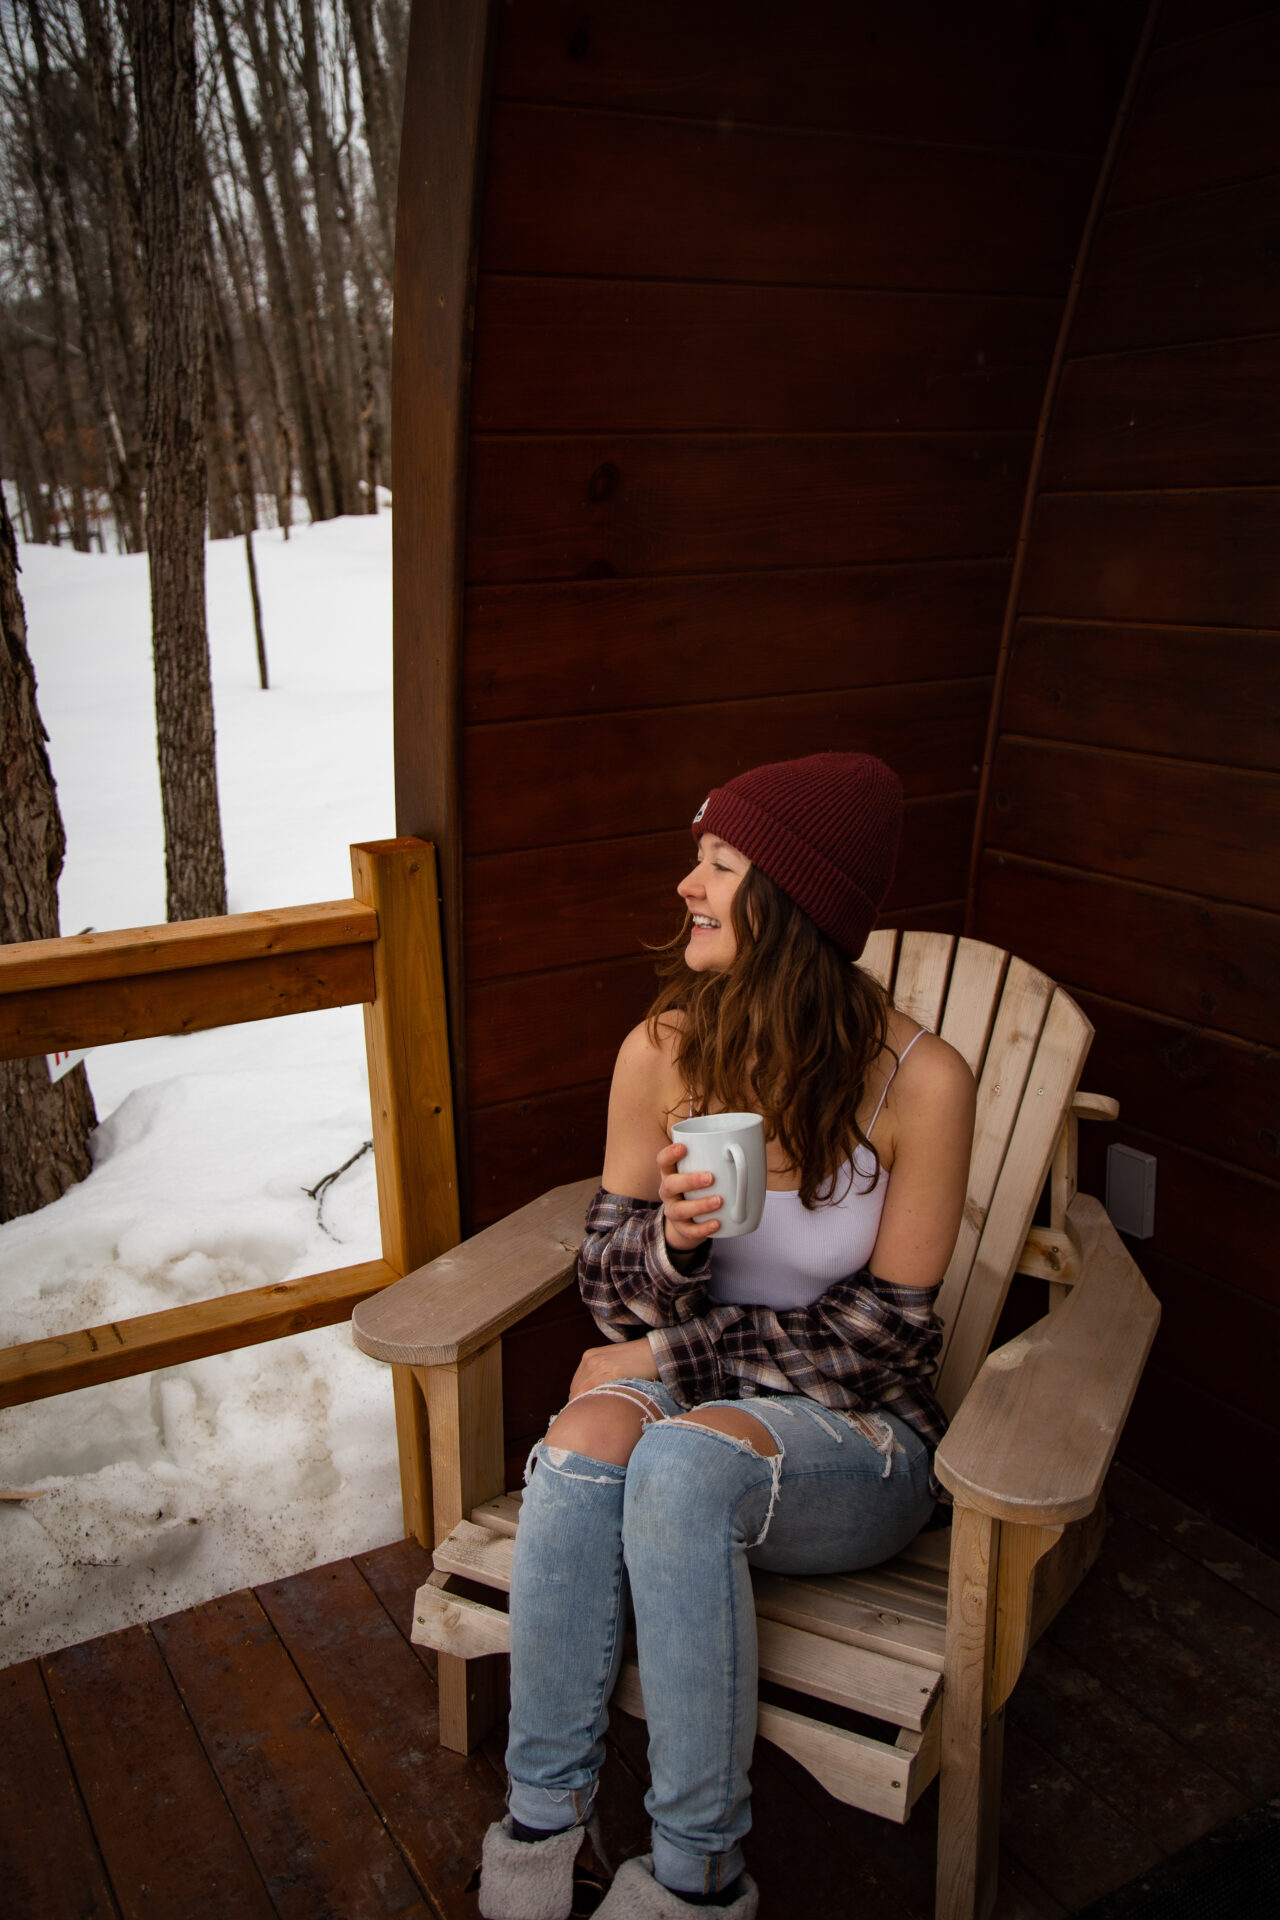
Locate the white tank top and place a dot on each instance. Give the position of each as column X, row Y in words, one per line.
column 797, row 1252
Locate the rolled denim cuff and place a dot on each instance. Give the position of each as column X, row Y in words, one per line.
column 549, row 1809
column 695, row 1872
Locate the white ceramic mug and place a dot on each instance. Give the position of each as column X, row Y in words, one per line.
column 730, row 1147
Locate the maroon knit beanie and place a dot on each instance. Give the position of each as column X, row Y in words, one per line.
column 825, row 829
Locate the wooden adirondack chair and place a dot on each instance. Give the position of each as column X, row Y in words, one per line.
column 930, row 1645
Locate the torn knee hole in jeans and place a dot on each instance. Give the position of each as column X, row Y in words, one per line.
column 742, row 1445
column 650, row 1412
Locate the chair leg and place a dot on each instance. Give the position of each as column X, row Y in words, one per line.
column 412, row 1450
column 473, row 1698
column 972, row 1735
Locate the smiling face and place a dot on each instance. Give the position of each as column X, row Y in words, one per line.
column 708, row 892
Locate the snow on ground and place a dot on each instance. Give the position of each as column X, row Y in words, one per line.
column 174, row 1486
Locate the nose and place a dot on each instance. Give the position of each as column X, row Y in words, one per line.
column 689, row 887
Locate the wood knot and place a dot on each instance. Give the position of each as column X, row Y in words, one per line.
column 603, row 482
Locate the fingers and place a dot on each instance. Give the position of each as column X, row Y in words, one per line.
column 686, row 1204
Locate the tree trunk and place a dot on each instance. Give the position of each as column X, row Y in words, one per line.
column 44, row 1128
column 378, row 131
column 281, row 292
column 164, row 74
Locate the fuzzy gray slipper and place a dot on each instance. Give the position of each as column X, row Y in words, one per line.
column 636, row 1895
column 527, row 1879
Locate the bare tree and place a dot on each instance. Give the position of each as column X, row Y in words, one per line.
column 44, row 1127
column 162, row 39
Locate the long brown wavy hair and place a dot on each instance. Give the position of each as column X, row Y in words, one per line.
column 790, row 1029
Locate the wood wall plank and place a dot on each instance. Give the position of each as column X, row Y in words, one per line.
column 1188, row 559
column 548, row 1030
column 1199, row 693
column 1181, row 18
column 1194, row 268
column 602, row 506
column 571, row 355
column 1206, row 121
column 1212, row 1330
column 591, row 646
column 1207, row 1090
column 560, row 906
column 553, row 782
column 1204, row 830
column 681, row 200
column 523, row 1147
column 1203, row 963
column 1208, row 1215
column 923, row 71
column 1187, row 416
column 1165, row 1437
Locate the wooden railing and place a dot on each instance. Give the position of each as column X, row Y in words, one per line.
column 381, row 949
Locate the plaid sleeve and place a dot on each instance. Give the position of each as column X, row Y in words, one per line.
column 626, row 1275
column 863, row 1345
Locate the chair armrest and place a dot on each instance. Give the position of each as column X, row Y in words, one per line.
column 1034, row 1436
column 462, row 1301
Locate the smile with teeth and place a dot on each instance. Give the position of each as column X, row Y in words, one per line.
column 703, row 920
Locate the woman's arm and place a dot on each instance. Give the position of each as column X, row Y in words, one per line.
column 644, row 1260
column 928, row 1118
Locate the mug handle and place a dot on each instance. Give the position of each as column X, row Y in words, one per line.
column 738, row 1209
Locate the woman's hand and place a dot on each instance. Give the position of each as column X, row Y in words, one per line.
column 684, row 1201
column 627, row 1360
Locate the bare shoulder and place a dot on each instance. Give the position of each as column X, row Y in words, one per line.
column 648, row 1054
column 932, row 1076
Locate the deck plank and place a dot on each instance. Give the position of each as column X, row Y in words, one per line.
column 382, row 1706
column 1059, row 1830
column 167, row 1835
column 49, row 1864
column 318, row 1842
column 1150, row 1779
column 1215, row 1548
column 1156, row 1673
column 308, row 1718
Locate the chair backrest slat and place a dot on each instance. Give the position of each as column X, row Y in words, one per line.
column 1055, row 1073
column 1018, row 1022
column 879, row 954
column 1025, row 1041
column 920, row 983
column 977, row 975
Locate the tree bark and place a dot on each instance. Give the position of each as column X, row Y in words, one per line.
column 164, row 71
column 285, row 316
column 44, row 1128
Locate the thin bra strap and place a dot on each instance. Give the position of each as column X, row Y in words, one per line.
column 889, row 1082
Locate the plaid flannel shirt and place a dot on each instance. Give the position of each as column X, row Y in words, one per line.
column 863, row 1346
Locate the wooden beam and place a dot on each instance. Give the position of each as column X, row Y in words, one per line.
column 437, row 238
column 99, row 1012
column 41, row 1368
column 407, row 1042
column 184, row 943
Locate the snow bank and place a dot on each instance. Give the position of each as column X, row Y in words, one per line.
column 169, row 1488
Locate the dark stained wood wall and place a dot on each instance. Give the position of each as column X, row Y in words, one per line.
column 1131, row 846
column 765, row 302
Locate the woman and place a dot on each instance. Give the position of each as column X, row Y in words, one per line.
column 764, row 1402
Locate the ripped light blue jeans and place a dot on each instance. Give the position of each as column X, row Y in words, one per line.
column 676, row 1531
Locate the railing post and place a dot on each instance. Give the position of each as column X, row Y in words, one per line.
column 411, row 1097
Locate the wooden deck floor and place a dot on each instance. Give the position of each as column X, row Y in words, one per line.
column 274, row 1752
